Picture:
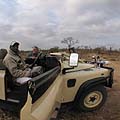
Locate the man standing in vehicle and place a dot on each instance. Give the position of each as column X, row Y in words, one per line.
column 15, row 65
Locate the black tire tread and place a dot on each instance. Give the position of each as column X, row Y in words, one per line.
column 80, row 101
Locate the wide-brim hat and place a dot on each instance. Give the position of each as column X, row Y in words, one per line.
column 14, row 43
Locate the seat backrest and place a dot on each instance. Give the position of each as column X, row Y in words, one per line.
column 3, row 53
column 9, row 80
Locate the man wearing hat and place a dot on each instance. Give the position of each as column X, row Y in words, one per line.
column 15, row 65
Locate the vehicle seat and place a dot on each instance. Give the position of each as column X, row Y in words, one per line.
column 9, row 83
column 3, row 53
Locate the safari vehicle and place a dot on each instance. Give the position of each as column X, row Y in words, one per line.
column 61, row 82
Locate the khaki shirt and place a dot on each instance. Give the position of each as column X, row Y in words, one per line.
column 15, row 64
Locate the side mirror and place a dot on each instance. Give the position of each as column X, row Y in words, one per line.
column 73, row 62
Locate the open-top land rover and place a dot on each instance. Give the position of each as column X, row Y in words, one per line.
column 62, row 81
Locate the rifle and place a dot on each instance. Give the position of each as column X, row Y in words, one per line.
column 35, row 60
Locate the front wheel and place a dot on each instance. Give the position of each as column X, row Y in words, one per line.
column 92, row 99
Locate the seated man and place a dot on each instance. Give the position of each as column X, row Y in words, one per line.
column 34, row 58
column 34, row 53
column 15, row 65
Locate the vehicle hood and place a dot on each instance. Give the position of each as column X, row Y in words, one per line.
column 80, row 66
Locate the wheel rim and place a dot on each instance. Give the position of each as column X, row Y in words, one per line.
column 93, row 99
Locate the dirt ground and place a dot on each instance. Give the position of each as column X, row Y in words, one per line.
column 111, row 109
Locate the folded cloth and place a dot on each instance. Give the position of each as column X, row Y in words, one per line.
column 37, row 69
column 22, row 80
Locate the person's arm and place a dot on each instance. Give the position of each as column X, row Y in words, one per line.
column 14, row 70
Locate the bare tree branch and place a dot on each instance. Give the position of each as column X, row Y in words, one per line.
column 69, row 41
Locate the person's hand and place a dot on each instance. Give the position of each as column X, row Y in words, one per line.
column 28, row 73
column 27, row 66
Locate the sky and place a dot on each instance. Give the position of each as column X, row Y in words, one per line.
column 45, row 23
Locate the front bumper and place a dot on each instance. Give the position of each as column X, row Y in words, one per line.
column 109, row 80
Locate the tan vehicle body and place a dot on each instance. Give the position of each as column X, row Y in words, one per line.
column 58, row 92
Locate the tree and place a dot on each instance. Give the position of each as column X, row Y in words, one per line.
column 110, row 51
column 69, row 41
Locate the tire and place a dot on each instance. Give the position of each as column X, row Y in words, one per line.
column 92, row 99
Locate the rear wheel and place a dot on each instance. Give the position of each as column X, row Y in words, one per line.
column 92, row 99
